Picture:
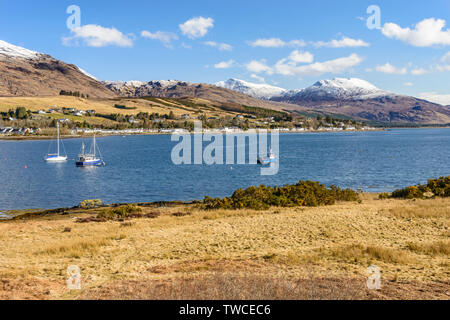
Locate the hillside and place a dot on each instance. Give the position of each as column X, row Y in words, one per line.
column 361, row 100
column 257, row 90
column 28, row 73
column 182, row 89
column 190, row 106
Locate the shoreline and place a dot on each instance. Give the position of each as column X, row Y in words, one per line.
column 66, row 137
column 30, row 213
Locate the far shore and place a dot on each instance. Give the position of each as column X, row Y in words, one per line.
column 88, row 135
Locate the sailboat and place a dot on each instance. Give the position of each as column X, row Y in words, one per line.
column 56, row 157
column 267, row 160
column 91, row 158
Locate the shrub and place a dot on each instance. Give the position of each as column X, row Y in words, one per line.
column 435, row 187
column 119, row 213
column 383, row 196
column 89, row 204
column 304, row 193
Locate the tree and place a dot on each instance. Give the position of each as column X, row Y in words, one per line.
column 21, row 113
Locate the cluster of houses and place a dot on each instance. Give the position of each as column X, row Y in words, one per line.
column 10, row 131
column 300, row 127
column 68, row 111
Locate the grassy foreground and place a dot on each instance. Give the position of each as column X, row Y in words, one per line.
column 183, row 252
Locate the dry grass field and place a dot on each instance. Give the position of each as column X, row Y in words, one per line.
column 280, row 253
column 106, row 106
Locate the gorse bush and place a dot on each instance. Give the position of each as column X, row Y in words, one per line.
column 435, row 187
column 120, row 212
column 304, row 193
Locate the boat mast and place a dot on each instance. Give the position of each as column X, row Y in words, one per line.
column 57, row 128
column 95, row 147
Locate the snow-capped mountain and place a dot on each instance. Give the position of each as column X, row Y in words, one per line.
column 8, row 50
column 338, row 88
column 362, row 100
column 24, row 72
column 257, row 90
column 140, row 88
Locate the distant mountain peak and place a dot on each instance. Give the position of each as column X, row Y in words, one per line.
column 347, row 83
column 341, row 88
column 256, row 90
column 138, row 88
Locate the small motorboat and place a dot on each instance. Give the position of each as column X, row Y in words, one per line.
column 56, row 157
column 90, row 159
column 267, row 160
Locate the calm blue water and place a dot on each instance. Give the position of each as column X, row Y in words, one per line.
column 139, row 168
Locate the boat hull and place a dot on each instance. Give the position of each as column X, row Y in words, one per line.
column 266, row 161
column 90, row 163
column 55, row 159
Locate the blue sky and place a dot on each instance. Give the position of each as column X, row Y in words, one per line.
column 295, row 48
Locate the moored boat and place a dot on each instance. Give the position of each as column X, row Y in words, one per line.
column 89, row 159
column 56, row 157
column 267, row 160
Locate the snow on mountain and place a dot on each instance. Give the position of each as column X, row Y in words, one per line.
column 87, row 73
column 338, row 88
column 118, row 85
column 121, row 84
column 261, row 91
column 12, row 51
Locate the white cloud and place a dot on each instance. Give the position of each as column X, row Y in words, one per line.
column 343, row 43
column 426, row 33
column 186, row 46
column 446, row 58
column 301, row 57
column 164, row 37
column 259, row 67
column 276, row 43
column 296, row 43
column 220, row 46
column 196, row 27
column 443, row 99
column 290, row 68
column 443, row 68
column 268, row 43
column 98, row 36
column 390, row 69
column 408, row 84
column 258, row 78
column 419, row 71
column 224, row 64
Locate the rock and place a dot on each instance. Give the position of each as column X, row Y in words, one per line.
column 90, row 204
column 428, row 195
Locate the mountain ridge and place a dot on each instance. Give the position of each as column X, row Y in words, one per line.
column 25, row 72
column 256, row 90
column 361, row 100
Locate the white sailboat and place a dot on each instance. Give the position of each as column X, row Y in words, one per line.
column 57, row 157
column 91, row 158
